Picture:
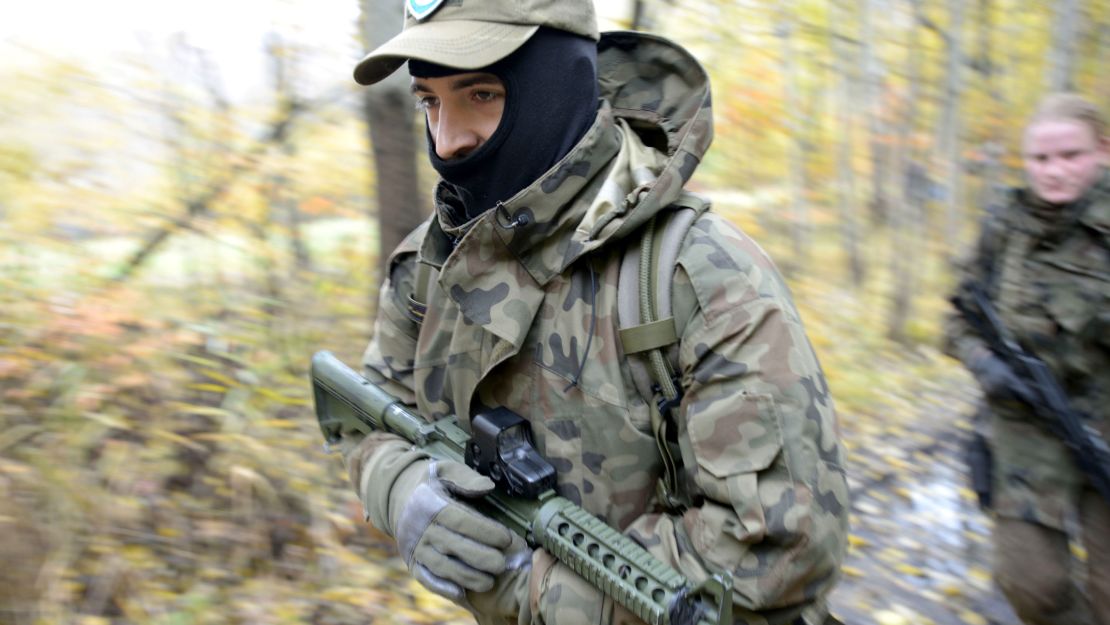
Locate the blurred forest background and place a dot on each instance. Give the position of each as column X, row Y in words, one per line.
column 193, row 200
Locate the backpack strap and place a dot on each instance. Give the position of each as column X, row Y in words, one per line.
column 648, row 329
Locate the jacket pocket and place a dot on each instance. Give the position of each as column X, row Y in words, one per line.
column 736, row 440
column 735, row 434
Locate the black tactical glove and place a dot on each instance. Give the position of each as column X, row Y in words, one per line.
column 997, row 379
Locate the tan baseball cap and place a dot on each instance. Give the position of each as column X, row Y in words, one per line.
column 469, row 34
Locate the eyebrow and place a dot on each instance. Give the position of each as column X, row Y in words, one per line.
column 463, row 82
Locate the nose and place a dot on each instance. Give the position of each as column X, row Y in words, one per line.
column 455, row 137
column 1053, row 167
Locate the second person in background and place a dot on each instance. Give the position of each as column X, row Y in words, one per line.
column 1044, row 262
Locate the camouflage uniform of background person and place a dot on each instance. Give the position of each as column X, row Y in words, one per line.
column 1045, row 260
column 522, row 314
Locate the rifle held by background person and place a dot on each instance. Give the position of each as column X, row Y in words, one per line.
column 1040, row 389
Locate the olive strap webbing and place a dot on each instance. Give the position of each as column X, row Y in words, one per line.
column 647, row 327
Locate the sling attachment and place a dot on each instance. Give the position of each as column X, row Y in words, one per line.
column 648, row 329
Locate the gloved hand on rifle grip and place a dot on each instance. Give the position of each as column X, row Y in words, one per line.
column 997, row 379
column 449, row 547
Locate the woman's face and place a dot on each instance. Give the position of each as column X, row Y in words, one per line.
column 1063, row 159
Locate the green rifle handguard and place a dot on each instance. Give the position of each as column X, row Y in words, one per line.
column 613, row 563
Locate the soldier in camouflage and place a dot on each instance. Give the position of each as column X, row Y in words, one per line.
column 1044, row 261
column 555, row 146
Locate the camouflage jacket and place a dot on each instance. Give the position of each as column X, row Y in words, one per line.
column 523, row 315
column 1047, row 270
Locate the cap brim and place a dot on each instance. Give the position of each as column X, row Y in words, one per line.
column 465, row 44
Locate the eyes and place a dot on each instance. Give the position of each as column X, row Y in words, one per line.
column 486, row 96
column 476, row 96
column 1067, row 156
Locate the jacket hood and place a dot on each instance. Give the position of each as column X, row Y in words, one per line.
column 661, row 93
column 653, row 126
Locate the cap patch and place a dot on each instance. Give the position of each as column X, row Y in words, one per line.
column 421, row 9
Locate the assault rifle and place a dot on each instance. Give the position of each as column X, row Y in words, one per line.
column 1049, row 401
column 525, row 500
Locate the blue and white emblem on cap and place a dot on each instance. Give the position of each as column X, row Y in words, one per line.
column 420, row 9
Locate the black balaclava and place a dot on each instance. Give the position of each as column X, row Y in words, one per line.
column 551, row 98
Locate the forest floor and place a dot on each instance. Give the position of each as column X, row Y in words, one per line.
column 920, row 547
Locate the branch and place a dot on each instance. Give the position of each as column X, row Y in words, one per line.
column 201, row 205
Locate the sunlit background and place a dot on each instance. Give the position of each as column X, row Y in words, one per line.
column 192, row 201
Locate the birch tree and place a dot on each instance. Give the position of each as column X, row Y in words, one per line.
column 800, row 227
column 874, row 87
column 988, row 142
column 1061, row 66
column 906, row 230
column 845, row 138
column 948, row 134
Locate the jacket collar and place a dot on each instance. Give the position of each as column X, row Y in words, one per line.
column 1049, row 224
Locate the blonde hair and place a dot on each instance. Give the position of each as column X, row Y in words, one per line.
column 1070, row 107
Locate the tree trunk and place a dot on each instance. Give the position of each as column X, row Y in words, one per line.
column 800, row 227
column 990, row 143
column 1101, row 90
column 948, row 136
column 874, row 88
column 281, row 196
column 388, row 109
column 639, row 19
column 906, row 253
column 1060, row 70
column 845, row 140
